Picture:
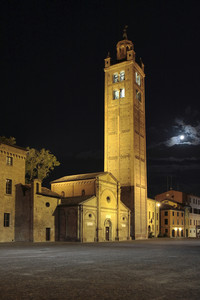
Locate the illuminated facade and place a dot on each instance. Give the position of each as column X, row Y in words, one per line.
column 153, row 217
column 90, row 209
column 187, row 203
column 125, row 134
column 12, row 172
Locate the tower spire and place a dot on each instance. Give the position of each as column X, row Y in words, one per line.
column 125, row 37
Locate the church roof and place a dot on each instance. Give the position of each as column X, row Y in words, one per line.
column 44, row 191
column 73, row 201
column 81, row 177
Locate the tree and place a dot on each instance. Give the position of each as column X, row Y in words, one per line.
column 9, row 141
column 39, row 164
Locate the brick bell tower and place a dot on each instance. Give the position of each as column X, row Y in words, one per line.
column 125, row 134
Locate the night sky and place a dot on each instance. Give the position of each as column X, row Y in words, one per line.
column 52, row 82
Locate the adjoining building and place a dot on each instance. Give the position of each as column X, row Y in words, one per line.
column 35, row 213
column 12, row 172
column 91, row 209
column 153, row 217
column 27, row 212
column 180, row 214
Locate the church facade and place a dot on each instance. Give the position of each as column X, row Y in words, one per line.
column 125, row 134
column 91, row 209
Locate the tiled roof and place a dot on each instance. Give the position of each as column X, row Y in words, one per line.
column 49, row 193
column 80, row 177
column 71, row 201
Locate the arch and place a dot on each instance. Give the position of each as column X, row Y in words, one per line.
column 108, row 230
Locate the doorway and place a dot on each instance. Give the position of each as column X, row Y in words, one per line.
column 107, row 233
column 108, row 230
column 48, row 234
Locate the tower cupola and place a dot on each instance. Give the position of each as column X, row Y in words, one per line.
column 124, row 46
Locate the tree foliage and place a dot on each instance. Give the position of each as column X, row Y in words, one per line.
column 9, row 141
column 39, row 164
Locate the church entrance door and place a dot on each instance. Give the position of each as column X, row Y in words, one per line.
column 107, row 233
column 108, row 230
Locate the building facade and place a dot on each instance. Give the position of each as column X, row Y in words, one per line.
column 35, row 213
column 91, row 209
column 194, row 215
column 125, row 134
column 172, row 222
column 182, row 203
column 153, row 217
column 12, row 172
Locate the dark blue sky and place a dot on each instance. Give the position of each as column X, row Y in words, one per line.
column 52, row 86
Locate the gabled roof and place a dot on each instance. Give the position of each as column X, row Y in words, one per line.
column 82, row 177
column 49, row 193
column 73, row 201
column 44, row 191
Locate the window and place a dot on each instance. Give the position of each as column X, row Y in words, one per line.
column 83, row 192
column 122, row 76
column 177, row 214
column 173, row 213
column 8, row 186
column 138, row 95
column 47, row 204
column 182, row 214
column 9, row 160
column 108, row 199
column 166, row 213
column 138, row 78
column 153, row 215
column 181, row 222
column 149, row 215
column 122, row 93
column 157, row 216
column 166, row 221
column 6, row 220
column 166, row 230
column 173, row 221
column 178, row 222
column 190, row 222
column 194, row 222
column 37, row 187
column 115, row 77
column 116, row 95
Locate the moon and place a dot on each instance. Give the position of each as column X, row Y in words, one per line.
column 182, row 137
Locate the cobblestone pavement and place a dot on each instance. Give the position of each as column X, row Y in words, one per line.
column 152, row 269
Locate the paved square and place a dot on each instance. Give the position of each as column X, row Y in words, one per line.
column 152, row 269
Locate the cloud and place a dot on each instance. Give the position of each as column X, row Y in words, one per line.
column 190, row 132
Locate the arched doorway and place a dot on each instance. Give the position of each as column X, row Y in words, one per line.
column 173, row 233
column 108, row 230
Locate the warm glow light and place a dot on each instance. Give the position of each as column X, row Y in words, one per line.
column 175, row 228
column 158, row 204
column 180, row 228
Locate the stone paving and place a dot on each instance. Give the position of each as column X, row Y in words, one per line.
column 152, row 269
